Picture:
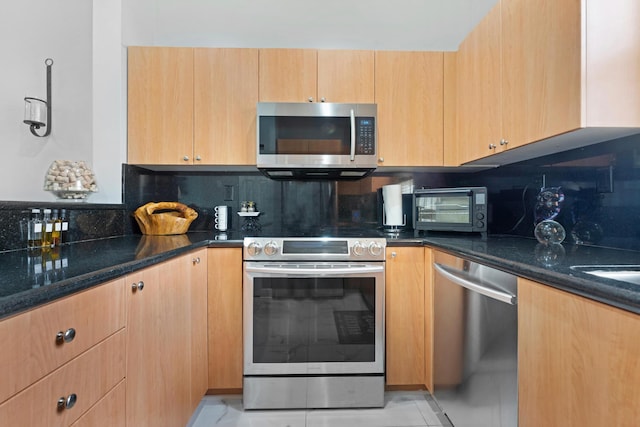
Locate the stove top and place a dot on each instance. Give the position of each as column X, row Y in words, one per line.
column 314, row 248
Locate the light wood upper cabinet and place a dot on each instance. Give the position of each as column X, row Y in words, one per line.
column 191, row 106
column 288, row 75
column 225, row 318
column 410, row 96
column 561, row 72
column 226, row 93
column 577, row 360
column 308, row 75
column 346, row 76
column 479, row 88
column 160, row 105
column 405, row 316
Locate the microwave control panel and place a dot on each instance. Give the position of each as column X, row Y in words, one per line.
column 366, row 136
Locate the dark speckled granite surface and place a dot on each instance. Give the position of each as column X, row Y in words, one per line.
column 32, row 279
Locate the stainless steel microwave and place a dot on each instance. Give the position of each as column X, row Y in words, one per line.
column 450, row 209
column 316, row 140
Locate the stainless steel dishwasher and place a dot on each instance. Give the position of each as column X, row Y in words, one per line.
column 475, row 343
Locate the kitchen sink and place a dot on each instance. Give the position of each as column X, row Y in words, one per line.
column 623, row 273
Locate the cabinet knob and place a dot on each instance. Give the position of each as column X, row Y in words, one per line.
column 393, row 254
column 503, row 142
column 196, row 260
column 67, row 402
column 198, row 158
column 185, row 158
column 137, row 286
column 492, row 146
column 310, row 99
column 381, row 159
column 322, row 99
column 66, row 336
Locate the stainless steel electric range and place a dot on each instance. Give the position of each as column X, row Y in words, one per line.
column 313, row 320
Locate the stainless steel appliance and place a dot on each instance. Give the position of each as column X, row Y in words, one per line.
column 462, row 209
column 316, row 140
column 475, row 343
column 313, row 322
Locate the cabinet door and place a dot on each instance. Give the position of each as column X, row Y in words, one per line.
column 542, row 69
column 160, row 105
column 225, row 318
column 577, row 360
column 197, row 263
column 346, row 76
column 226, row 93
column 404, row 316
column 288, row 75
column 409, row 94
column 479, row 85
column 158, row 346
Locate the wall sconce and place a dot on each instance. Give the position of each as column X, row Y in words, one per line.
column 37, row 113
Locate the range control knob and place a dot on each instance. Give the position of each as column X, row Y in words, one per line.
column 254, row 248
column 271, row 248
column 375, row 248
column 358, row 249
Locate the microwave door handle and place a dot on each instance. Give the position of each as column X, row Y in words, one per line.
column 353, row 135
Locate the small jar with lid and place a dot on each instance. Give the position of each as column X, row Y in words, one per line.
column 251, row 206
column 243, row 207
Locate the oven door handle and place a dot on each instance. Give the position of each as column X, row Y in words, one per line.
column 333, row 271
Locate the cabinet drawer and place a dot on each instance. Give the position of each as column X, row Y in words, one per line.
column 31, row 348
column 89, row 377
column 109, row 411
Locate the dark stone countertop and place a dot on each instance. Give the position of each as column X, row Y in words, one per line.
column 31, row 279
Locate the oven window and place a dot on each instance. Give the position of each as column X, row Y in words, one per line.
column 299, row 320
column 305, row 135
column 452, row 209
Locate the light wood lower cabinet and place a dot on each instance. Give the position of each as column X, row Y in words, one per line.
column 110, row 410
column 165, row 306
column 64, row 395
column 405, row 316
column 225, row 318
column 578, row 360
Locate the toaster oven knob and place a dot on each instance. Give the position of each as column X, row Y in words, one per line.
column 271, row 248
column 358, row 249
column 375, row 249
column 254, row 248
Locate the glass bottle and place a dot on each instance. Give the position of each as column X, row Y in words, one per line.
column 57, row 228
column 34, row 231
column 64, row 221
column 47, row 229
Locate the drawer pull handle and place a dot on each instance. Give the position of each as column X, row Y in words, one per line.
column 67, row 402
column 66, row 336
column 137, row 286
column 196, row 260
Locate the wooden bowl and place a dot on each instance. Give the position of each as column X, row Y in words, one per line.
column 172, row 218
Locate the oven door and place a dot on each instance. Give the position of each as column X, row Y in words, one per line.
column 313, row 318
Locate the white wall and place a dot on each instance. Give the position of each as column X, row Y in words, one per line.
column 30, row 32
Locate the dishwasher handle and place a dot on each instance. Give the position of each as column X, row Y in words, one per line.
column 465, row 280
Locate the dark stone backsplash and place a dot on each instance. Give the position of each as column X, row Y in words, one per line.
column 86, row 221
column 608, row 208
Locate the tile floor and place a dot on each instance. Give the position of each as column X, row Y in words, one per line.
column 402, row 409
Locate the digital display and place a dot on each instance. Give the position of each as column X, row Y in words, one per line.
column 366, row 122
column 315, row 247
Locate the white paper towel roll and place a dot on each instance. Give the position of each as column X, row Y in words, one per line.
column 392, row 198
